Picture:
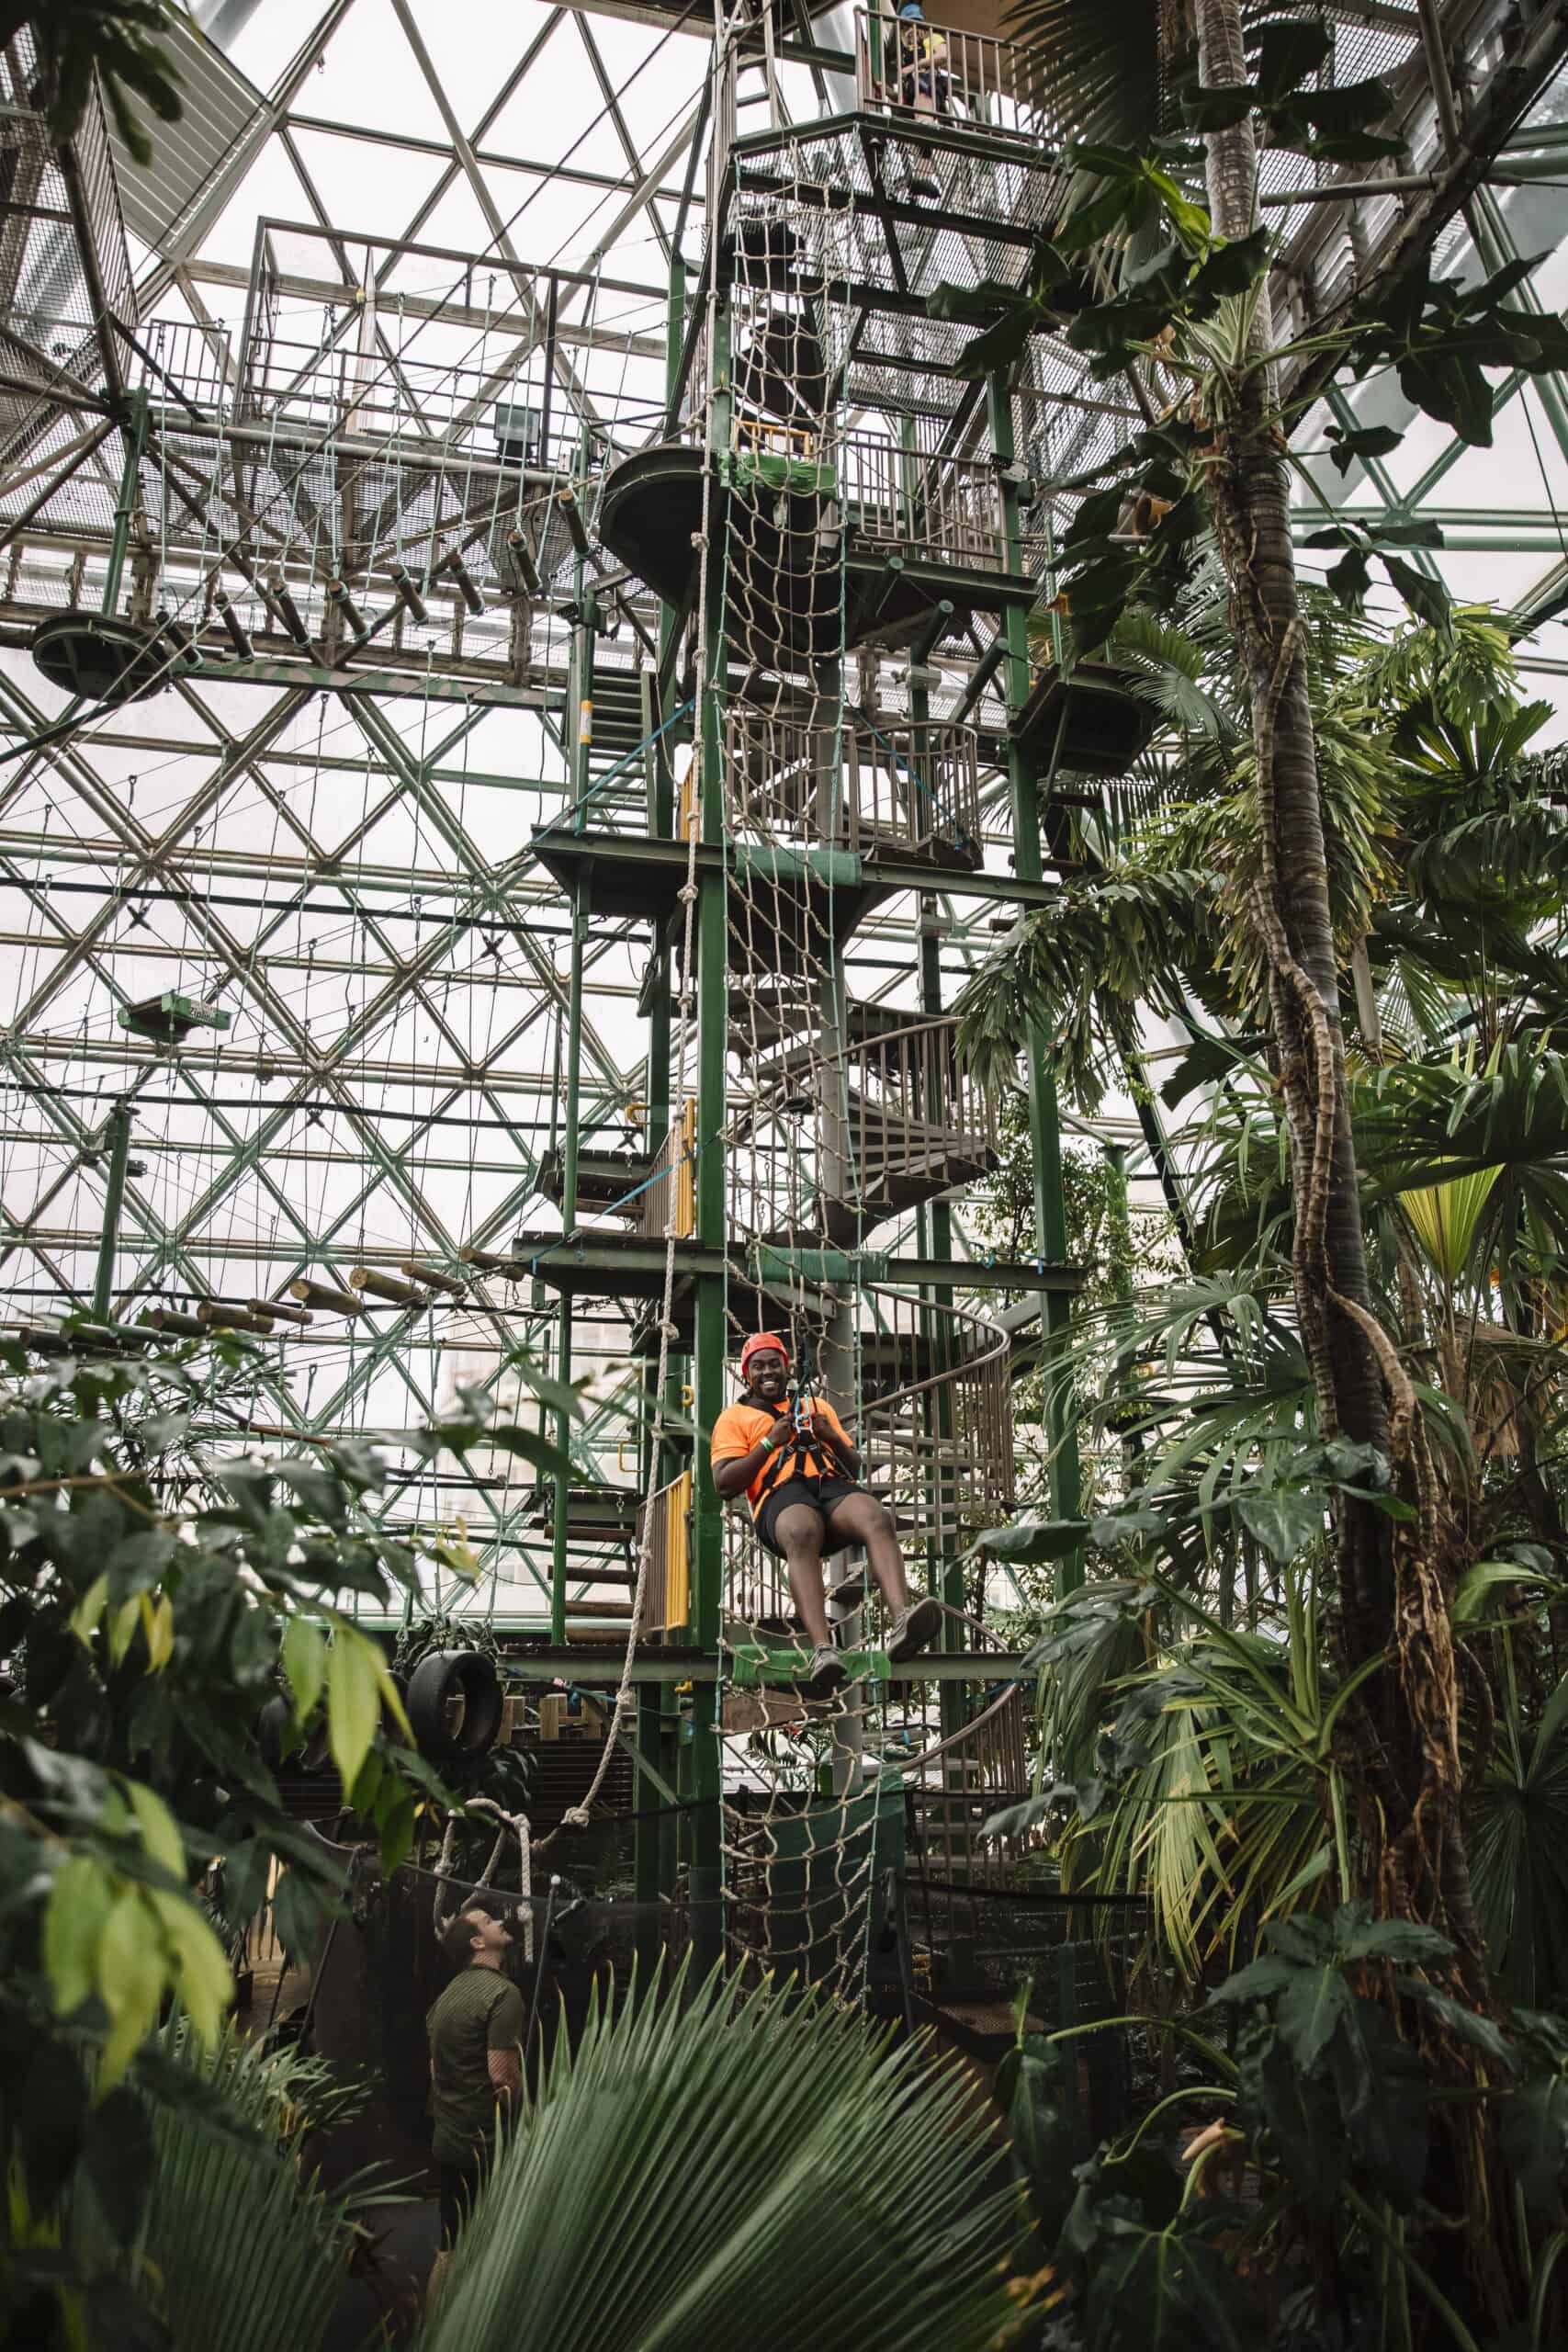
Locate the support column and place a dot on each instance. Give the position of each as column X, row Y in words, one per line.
column 569, row 1221
column 119, row 1135
column 713, row 1015
column 837, row 1180
column 136, row 427
column 1044, row 1126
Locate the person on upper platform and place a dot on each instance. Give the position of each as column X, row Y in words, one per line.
column 924, row 82
column 801, row 1474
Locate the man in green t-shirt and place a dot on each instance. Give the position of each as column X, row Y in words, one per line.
column 476, row 2057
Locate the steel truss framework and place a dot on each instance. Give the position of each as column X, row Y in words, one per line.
column 324, row 830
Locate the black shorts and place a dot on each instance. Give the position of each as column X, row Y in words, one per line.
column 459, row 2186
column 822, row 1495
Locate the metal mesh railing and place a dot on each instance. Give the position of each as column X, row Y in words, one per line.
column 919, row 70
column 906, row 787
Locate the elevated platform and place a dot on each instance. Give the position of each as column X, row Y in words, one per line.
column 1089, row 723
column 614, row 1265
column 653, row 508
column 605, row 1180
column 637, row 876
column 785, row 904
column 593, row 1515
column 592, row 1668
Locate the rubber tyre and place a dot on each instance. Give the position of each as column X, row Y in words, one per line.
column 274, row 1726
column 441, row 1677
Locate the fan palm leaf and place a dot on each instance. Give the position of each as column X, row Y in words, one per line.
column 727, row 2170
column 1100, row 62
column 1517, row 1843
column 1446, row 1217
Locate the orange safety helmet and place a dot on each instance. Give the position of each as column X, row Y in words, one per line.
column 755, row 1345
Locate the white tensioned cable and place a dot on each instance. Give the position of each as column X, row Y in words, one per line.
column 578, row 1816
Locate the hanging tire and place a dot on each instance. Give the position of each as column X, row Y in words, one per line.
column 439, row 1679
column 275, row 1727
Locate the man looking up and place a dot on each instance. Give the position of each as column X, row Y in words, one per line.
column 476, row 2063
column 803, row 1487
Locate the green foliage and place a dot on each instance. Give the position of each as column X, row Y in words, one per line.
column 698, row 2170
column 1518, row 1845
column 120, row 41
column 152, row 1600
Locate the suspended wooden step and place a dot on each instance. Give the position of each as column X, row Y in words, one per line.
column 169, row 1018
column 323, row 1296
column 282, row 1312
column 1088, row 722
column 214, row 1316
column 177, row 1325
column 390, row 1287
column 433, row 1277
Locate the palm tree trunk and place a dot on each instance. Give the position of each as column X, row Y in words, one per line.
column 1391, row 1596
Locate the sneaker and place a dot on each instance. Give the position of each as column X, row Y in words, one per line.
column 828, row 1672
column 912, row 1629
column 927, row 191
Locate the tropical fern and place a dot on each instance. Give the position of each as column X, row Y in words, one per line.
column 709, row 2167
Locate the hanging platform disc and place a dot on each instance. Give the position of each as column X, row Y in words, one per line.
column 1100, row 724
column 651, row 506
column 102, row 657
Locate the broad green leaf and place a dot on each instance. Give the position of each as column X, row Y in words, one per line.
column 1535, row 2139
column 123, row 1626
column 1031, row 1539
column 1312, row 2007
column 157, row 1822
column 1284, row 1520
column 1290, row 51
column 355, row 1673
column 205, row 1983
column 1360, row 443
column 131, row 1973
column 304, row 1657
column 72, row 1924
column 89, row 1608
column 391, row 1698
column 1382, row 2090
column 158, row 1619
column 1490, row 1576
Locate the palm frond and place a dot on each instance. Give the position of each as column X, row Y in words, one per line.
column 1446, row 1217
column 719, row 2169
column 1100, row 60
column 1135, row 928
column 1517, row 1840
column 234, row 2246
column 1465, row 675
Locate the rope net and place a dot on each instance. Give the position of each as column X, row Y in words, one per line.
column 841, row 1111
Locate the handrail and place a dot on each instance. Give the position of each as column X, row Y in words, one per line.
column 938, row 73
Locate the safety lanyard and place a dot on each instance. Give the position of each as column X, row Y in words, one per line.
column 803, row 1442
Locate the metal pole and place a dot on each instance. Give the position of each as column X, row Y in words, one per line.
column 1044, row 1126
column 569, row 1223
column 713, row 1015
column 119, row 1131
column 837, row 1183
column 136, row 422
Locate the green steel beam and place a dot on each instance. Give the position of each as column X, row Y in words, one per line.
column 1044, row 1124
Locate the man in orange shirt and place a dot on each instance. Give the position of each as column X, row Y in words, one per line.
column 803, row 1482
